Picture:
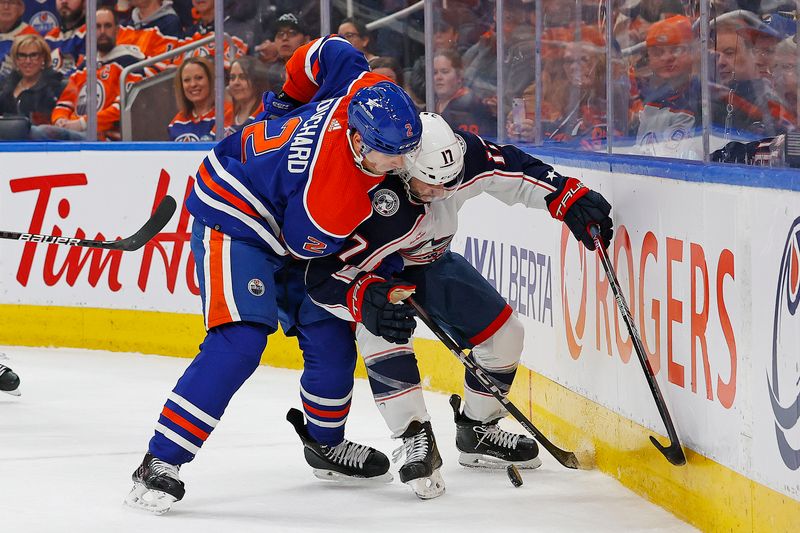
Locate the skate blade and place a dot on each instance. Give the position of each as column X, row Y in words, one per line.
column 14, row 392
column 477, row 460
column 331, row 475
column 427, row 488
column 152, row 501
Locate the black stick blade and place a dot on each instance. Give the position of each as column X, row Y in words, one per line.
column 673, row 452
column 156, row 223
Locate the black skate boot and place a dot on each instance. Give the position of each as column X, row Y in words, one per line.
column 485, row 445
column 347, row 461
column 9, row 381
column 156, row 486
column 421, row 469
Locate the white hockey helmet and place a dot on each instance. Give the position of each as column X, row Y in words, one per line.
column 439, row 160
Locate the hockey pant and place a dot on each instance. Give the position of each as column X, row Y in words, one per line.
column 475, row 315
column 238, row 290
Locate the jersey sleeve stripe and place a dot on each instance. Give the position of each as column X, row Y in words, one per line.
column 254, row 225
column 220, row 191
column 226, row 176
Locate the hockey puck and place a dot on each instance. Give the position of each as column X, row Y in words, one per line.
column 514, row 476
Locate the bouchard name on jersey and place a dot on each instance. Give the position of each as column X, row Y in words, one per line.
column 292, row 183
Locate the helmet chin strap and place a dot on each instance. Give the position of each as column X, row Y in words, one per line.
column 359, row 155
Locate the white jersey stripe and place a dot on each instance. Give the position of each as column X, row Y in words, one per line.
column 228, row 178
column 268, row 237
column 227, row 279
column 331, row 402
column 320, row 423
column 206, row 272
column 177, row 439
column 193, row 410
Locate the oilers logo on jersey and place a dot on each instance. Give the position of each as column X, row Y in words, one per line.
column 386, row 202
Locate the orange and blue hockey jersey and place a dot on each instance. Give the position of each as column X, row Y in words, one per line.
column 292, row 184
column 72, row 102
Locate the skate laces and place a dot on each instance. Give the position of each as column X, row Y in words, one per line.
column 496, row 435
column 159, row 468
column 348, row 453
column 415, row 448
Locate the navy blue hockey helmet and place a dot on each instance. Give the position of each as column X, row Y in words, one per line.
column 386, row 118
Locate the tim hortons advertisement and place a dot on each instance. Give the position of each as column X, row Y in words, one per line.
column 97, row 195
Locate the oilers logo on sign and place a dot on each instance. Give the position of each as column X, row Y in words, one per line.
column 385, row 202
column 783, row 378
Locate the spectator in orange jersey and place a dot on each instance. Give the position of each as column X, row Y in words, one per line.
column 194, row 92
column 670, row 115
column 69, row 115
column 459, row 106
column 247, row 85
column 11, row 25
column 32, row 88
column 204, row 27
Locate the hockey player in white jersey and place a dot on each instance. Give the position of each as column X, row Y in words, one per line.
column 407, row 247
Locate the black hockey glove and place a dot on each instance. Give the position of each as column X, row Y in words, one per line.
column 371, row 305
column 580, row 207
column 278, row 105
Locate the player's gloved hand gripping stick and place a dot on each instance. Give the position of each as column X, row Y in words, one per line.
column 162, row 214
column 568, row 459
column 673, row 452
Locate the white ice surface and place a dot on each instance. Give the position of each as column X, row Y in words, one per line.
column 69, row 444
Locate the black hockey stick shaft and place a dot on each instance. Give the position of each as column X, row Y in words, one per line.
column 566, row 458
column 673, row 452
column 162, row 214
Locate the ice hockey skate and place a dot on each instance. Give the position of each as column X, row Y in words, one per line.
column 421, row 469
column 9, row 381
column 347, row 462
column 156, row 486
column 485, row 445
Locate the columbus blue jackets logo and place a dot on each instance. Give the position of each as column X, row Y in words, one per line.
column 385, row 202
column 784, row 379
column 256, row 287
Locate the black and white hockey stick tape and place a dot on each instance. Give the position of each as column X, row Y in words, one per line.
column 162, row 214
column 568, row 459
column 673, row 452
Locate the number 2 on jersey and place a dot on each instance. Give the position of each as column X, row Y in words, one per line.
column 260, row 142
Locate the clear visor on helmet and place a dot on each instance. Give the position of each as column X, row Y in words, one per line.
column 427, row 188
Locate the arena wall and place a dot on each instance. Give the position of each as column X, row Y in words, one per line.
column 708, row 255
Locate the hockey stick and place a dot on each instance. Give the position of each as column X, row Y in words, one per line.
column 673, row 452
column 154, row 224
column 568, row 459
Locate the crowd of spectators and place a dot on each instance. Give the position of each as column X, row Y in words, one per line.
column 655, row 64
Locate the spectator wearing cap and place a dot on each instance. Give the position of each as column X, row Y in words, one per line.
column 356, row 32
column 290, row 34
column 670, row 116
column 742, row 103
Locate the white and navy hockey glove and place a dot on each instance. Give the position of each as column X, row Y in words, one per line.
column 278, row 105
column 580, row 207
